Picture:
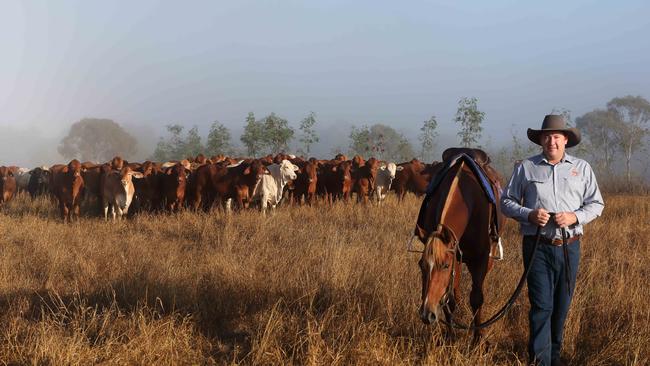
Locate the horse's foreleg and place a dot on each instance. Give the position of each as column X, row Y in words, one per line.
column 478, row 273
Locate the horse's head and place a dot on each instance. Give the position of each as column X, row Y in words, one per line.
column 437, row 266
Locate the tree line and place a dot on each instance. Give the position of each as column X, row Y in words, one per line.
column 618, row 130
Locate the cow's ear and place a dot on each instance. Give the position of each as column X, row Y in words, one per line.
column 247, row 171
column 399, row 168
column 137, row 175
column 383, row 167
column 296, row 168
column 168, row 171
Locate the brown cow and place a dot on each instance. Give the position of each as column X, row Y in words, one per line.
column 306, row 183
column 7, row 184
column 335, row 181
column 118, row 191
column 364, row 179
column 148, row 190
column 94, row 176
column 174, row 182
column 224, row 183
column 67, row 185
column 413, row 177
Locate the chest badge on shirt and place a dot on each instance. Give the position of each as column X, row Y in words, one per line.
column 574, row 172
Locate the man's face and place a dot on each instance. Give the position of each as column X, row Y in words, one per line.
column 553, row 144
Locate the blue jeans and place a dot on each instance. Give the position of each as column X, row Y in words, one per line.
column 549, row 298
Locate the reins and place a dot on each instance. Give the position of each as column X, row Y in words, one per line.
column 504, row 309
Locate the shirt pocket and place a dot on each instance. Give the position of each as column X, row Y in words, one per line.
column 573, row 188
column 539, row 192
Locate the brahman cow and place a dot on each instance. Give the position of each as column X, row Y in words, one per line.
column 271, row 186
column 118, row 191
column 385, row 177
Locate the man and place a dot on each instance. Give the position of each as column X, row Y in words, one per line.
column 557, row 192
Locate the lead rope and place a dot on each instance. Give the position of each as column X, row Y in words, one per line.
column 499, row 314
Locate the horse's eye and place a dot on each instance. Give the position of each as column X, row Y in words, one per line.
column 445, row 266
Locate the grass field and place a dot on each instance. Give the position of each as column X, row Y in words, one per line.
column 308, row 285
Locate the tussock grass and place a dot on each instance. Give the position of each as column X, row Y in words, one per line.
column 308, row 285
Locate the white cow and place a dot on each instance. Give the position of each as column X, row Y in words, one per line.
column 118, row 191
column 269, row 189
column 384, row 179
column 22, row 178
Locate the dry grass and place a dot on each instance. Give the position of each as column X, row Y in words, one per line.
column 309, row 285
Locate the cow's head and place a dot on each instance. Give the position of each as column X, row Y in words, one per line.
column 343, row 170
column 127, row 175
column 311, row 171
column 74, row 168
column 288, row 170
column 117, row 163
column 256, row 168
column 392, row 169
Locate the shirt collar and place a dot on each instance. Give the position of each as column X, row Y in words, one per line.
column 540, row 158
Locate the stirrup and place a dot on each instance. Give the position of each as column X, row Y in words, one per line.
column 499, row 251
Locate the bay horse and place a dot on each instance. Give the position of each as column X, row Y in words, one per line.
column 458, row 224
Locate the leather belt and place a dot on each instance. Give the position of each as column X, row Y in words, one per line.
column 554, row 242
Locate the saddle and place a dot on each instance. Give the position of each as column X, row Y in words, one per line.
column 489, row 179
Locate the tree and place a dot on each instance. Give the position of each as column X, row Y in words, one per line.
column 633, row 114
column 380, row 141
column 98, row 140
column 427, row 138
column 470, row 119
column 276, row 133
column 192, row 145
column 599, row 127
column 308, row 134
column 360, row 140
column 253, row 136
column 176, row 147
column 218, row 140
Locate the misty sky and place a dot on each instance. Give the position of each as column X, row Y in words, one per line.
column 146, row 64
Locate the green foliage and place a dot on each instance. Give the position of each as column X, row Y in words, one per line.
column 360, row 141
column 98, row 140
column 308, row 134
column 380, row 141
column 470, row 119
column 193, row 145
column 177, row 147
column 253, row 136
column 218, row 140
column 427, row 138
column 276, row 133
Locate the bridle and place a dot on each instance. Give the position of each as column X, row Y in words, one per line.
column 456, row 264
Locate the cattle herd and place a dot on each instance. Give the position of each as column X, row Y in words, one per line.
column 200, row 183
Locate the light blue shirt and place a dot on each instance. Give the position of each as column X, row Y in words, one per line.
column 569, row 185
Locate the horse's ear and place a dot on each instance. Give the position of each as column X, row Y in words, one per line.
column 447, row 235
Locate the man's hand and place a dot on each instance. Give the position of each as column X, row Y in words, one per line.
column 539, row 217
column 565, row 219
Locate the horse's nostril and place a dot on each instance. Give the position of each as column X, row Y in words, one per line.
column 431, row 318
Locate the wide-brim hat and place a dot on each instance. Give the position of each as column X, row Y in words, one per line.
column 554, row 122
